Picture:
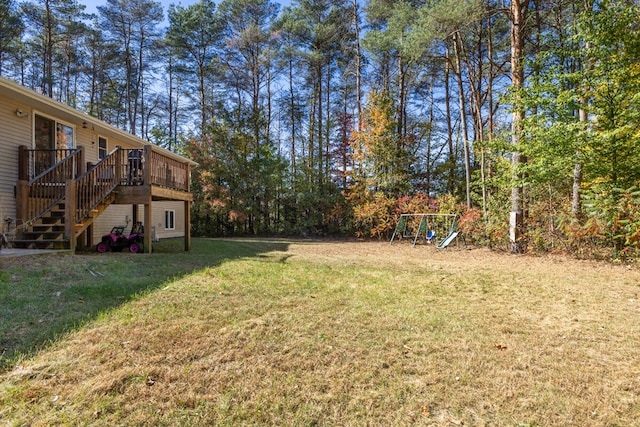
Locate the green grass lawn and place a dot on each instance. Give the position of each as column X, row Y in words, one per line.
column 270, row 332
column 44, row 296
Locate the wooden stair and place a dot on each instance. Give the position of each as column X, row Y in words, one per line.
column 94, row 213
column 64, row 200
column 45, row 233
column 48, row 232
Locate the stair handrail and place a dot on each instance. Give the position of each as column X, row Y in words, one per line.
column 97, row 184
column 31, row 159
column 47, row 190
column 63, row 163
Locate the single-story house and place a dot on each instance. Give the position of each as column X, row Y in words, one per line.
column 67, row 178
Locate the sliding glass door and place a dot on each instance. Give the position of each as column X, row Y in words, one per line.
column 52, row 140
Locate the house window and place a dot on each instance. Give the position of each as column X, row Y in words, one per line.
column 102, row 147
column 50, row 134
column 170, row 220
column 51, row 138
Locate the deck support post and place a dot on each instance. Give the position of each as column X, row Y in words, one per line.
column 70, row 214
column 22, row 201
column 135, row 216
column 187, row 226
column 148, row 225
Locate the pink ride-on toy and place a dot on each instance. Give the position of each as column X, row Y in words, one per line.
column 116, row 241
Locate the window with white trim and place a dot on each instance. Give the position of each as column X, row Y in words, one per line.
column 52, row 140
column 50, row 134
column 102, row 147
column 170, row 220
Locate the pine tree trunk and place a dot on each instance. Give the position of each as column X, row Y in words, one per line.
column 463, row 119
column 518, row 16
column 576, row 203
column 356, row 25
column 292, row 106
column 452, row 158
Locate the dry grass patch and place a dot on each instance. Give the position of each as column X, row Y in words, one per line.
column 352, row 334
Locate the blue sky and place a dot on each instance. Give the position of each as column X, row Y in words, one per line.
column 93, row 4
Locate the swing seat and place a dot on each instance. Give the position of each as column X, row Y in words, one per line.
column 430, row 236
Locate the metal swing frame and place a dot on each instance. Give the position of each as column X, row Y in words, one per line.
column 434, row 227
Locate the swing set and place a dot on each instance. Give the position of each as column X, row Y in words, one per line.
column 440, row 228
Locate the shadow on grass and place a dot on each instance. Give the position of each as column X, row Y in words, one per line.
column 44, row 296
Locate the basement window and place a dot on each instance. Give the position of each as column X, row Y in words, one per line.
column 169, row 220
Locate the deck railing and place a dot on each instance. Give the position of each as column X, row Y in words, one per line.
column 123, row 166
column 34, row 163
column 127, row 166
column 48, row 188
column 92, row 187
column 168, row 172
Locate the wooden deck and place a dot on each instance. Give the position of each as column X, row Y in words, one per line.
column 125, row 176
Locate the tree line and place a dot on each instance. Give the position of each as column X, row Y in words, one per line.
column 330, row 117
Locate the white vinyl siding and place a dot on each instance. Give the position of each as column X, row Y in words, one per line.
column 15, row 131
